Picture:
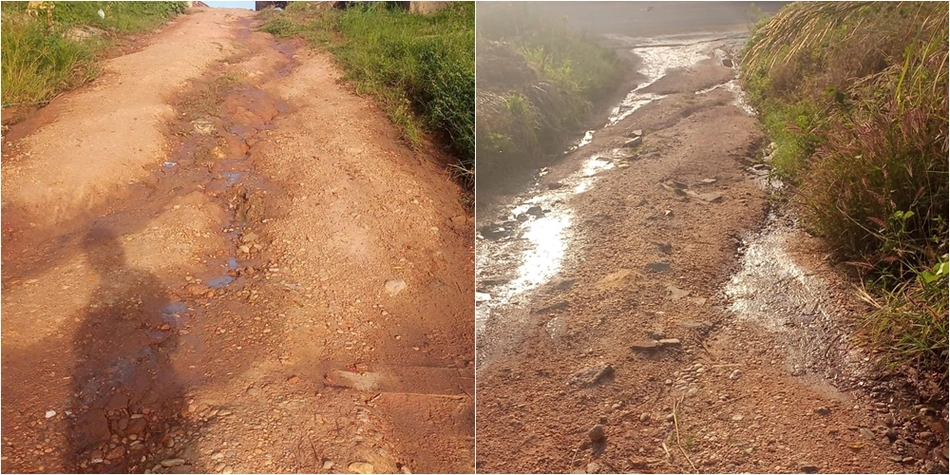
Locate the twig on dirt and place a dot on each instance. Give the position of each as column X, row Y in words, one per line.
column 676, row 427
column 669, row 456
column 730, row 365
column 570, row 467
column 832, row 344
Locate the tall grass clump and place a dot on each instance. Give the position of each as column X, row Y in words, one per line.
column 855, row 96
column 421, row 68
column 43, row 56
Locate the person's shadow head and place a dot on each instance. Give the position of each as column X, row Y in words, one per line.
column 103, row 250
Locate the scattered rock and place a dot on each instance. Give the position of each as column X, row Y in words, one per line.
column 393, row 287
column 644, row 418
column 657, row 334
column 925, row 435
column 361, row 467
column 702, row 327
column 736, row 374
column 808, row 468
column 115, row 453
column 708, row 181
column 669, row 342
column 593, row 467
column 822, row 411
column 727, row 62
column 293, row 380
column 658, row 267
column 866, row 433
column 692, row 392
column 172, row 462
column 591, row 375
column 676, row 294
column 535, row 211
column 50, row 414
column 645, row 345
column 203, row 126
column 327, row 464
column 597, row 433
column 705, row 197
column 634, row 142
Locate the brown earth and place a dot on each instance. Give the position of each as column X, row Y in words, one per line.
column 762, row 374
column 218, row 258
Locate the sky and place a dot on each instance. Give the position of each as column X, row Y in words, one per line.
column 230, row 4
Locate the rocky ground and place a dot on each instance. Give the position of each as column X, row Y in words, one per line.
column 218, row 258
column 689, row 326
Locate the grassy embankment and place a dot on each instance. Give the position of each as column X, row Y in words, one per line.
column 537, row 82
column 45, row 55
column 420, row 68
column 854, row 95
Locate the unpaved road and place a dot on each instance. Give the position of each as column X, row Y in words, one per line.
column 635, row 290
column 217, row 258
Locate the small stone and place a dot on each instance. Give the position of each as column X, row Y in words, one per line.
column 361, row 467
column 50, row 414
column 172, row 462
column 692, row 392
column 908, row 460
column 252, row 391
column 293, row 380
column 735, row 374
column 926, row 435
column 809, row 468
column 219, row 466
column 737, row 417
column 866, row 433
column 593, row 467
column 668, row 382
column 597, row 433
column 327, row 464
column 670, row 342
column 822, row 411
column 115, row 453
column 395, row 286
column 644, row 418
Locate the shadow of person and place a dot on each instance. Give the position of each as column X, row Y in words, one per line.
column 126, row 393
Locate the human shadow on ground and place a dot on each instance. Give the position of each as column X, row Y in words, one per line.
column 127, row 398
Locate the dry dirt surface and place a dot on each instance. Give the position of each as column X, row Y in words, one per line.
column 676, row 335
column 217, row 258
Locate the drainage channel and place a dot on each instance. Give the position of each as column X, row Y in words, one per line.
column 528, row 237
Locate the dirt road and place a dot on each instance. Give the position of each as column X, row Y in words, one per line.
column 642, row 308
column 218, row 258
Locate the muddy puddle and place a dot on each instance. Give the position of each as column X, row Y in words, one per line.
column 529, row 236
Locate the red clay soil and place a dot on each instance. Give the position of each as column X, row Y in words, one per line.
column 218, row 258
column 677, row 337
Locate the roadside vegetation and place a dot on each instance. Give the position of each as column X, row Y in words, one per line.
column 854, row 95
column 56, row 48
column 537, row 82
column 420, row 68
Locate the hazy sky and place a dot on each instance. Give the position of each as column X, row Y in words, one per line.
column 230, row 4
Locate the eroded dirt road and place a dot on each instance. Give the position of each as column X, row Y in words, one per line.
column 634, row 315
column 217, row 258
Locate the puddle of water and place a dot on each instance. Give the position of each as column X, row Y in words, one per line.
column 219, row 282
column 739, row 96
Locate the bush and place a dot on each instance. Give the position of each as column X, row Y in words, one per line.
column 855, row 96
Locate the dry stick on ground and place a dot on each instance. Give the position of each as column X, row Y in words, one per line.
column 676, row 426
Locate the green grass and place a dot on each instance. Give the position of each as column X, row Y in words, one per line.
column 855, row 97
column 421, row 68
column 40, row 60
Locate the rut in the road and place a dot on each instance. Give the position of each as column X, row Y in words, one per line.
column 226, row 309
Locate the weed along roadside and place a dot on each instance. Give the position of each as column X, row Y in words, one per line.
column 55, row 46
column 221, row 257
column 420, row 68
column 741, row 266
column 854, row 97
